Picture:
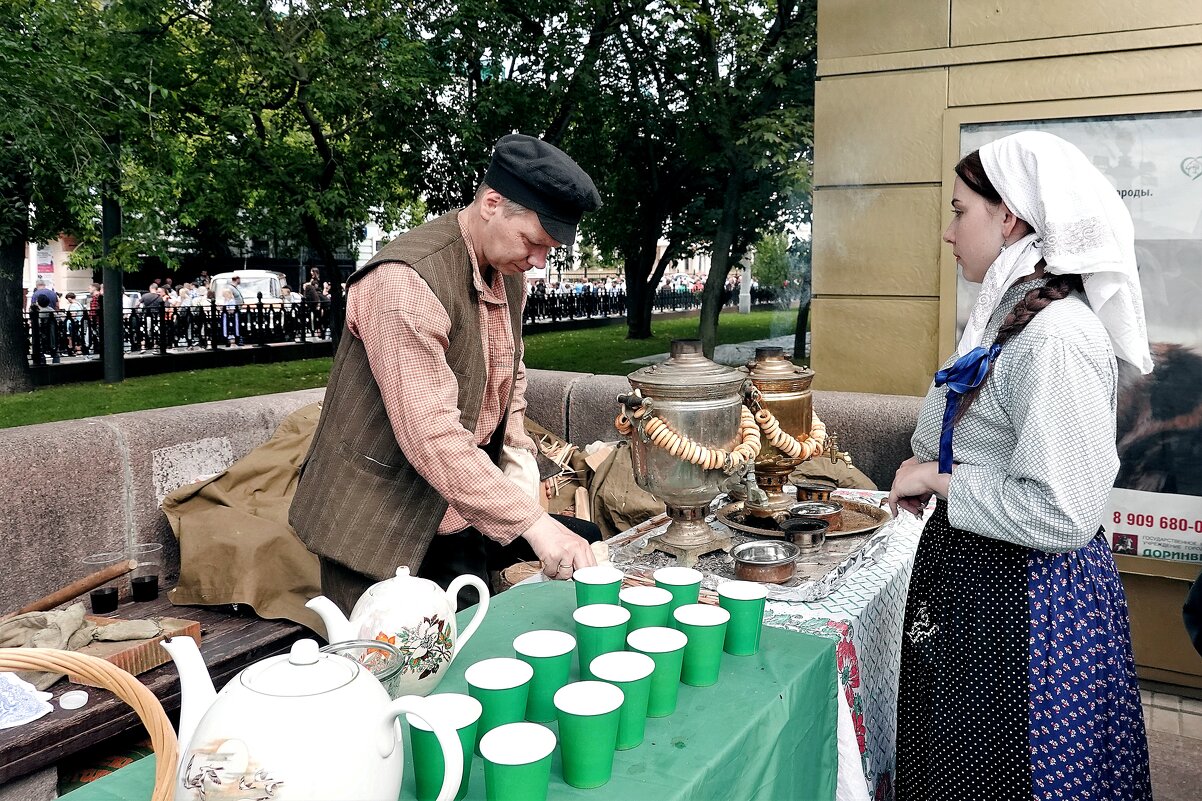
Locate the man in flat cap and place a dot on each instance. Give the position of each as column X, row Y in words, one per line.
column 422, row 421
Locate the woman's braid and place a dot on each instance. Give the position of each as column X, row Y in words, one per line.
column 1035, row 301
column 1057, row 287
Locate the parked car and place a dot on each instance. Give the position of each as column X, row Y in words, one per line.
column 251, row 283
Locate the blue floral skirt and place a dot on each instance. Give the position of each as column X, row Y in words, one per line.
column 1017, row 678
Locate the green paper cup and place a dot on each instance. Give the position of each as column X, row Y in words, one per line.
column 549, row 653
column 683, row 582
column 745, row 601
column 600, row 628
column 598, row 584
column 630, row 672
column 648, row 606
column 705, row 626
column 462, row 712
column 665, row 646
column 501, row 686
column 517, row 762
column 589, row 713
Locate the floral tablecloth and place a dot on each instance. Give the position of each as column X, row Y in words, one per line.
column 864, row 615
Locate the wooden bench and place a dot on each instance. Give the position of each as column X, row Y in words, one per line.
column 229, row 642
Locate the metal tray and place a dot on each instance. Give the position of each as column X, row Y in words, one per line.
column 732, row 515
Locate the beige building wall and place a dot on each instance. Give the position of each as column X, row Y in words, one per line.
column 896, row 82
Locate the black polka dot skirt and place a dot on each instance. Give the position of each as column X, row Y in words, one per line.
column 1017, row 680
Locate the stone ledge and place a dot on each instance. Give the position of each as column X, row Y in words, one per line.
column 86, row 486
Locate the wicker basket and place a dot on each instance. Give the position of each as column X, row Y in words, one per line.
column 125, row 687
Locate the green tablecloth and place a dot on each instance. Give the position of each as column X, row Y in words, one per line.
column 766, row 730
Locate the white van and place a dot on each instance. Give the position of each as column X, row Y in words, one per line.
column 251, row 284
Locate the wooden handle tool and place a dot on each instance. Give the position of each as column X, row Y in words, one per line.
column 78, row 588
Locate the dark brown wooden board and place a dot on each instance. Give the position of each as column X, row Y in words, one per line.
column 229, row 642
column 136, row 656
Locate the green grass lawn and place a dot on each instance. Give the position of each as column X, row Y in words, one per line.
column 592, row 350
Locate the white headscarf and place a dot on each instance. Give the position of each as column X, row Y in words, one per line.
column 1081, row 227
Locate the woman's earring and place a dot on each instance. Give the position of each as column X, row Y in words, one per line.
column 1002, row 249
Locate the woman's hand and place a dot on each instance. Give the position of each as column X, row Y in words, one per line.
column 913, row 485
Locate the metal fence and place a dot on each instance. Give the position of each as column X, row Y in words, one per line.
column 80, row 333
column 52, row 335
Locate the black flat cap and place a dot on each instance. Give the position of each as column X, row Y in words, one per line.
column 545, row 180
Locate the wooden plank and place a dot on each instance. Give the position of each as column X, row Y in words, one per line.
column 229, row 642
column 137, row 656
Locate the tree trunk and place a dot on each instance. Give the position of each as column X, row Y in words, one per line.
column 715, row 282
column 799, row 336
column 328, row 269
column 643, row 274
column 111, row 310
column 640, row 298
column 14, row 367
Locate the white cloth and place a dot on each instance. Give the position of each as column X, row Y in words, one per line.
column 1081, row 228
column 21, row 702
column 1012, row 263
column 520, row 467
column 850, row 784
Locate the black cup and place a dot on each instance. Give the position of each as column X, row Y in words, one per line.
column 804, row 532
column 104, row 600
column 145, row 588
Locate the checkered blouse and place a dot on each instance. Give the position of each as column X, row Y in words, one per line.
column 1035, row 453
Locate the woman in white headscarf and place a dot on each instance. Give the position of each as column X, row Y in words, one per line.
column 1017, row 678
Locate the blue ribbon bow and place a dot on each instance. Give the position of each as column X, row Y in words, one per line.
column 966, row 373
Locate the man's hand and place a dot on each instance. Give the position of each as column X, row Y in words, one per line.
column 559, row 550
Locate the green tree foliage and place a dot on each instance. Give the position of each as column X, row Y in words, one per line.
column 770, row 265
column 784, row 265
column 56, row 106
column 698, row 130
column 800, row 252
column 642, row 139
column 292, row 123
column 760, row 62
column 297, row 122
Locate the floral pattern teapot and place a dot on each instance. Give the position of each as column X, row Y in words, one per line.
column 302, row 726
column 415, row 615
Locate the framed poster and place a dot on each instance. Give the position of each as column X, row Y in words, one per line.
column 1154, row 161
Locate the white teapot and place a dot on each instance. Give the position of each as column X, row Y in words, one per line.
column 415, row 615
column 302, row 726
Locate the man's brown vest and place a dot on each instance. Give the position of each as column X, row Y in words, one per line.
column 358, row 500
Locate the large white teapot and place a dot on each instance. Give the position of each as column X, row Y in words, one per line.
column 303, row 726
column 415, row 615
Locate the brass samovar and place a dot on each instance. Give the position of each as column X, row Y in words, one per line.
column 687, row 427
column 781, row 392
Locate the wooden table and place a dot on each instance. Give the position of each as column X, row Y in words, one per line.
column 229, row 642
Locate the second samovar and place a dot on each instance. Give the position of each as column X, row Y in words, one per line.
column 782, row 405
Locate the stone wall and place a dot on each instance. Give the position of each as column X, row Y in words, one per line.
column 94, row 485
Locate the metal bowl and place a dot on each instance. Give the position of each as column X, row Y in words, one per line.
column 769, row 561
column 807, row 533
column 814, row 490
column 829, row 511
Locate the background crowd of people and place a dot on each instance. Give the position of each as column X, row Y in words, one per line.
column 170, row 314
